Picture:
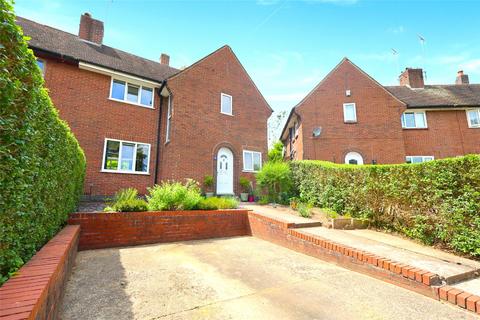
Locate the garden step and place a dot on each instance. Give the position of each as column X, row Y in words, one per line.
column 450, row 268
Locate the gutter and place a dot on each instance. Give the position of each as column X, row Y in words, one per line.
column 42, row 53
column 159, row 126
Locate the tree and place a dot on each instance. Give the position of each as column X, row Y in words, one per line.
column 276, row 153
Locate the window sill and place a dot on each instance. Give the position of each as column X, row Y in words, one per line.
column 350, row 122
column 473, row 127
column 131, row 103
column 250, row 171
column 227, row 114
column 414, row 128
column 126, row 172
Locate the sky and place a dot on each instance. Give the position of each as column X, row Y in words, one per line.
column 287, row 47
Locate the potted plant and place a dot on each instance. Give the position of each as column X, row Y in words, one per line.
column 245, row 184
column 208, row 184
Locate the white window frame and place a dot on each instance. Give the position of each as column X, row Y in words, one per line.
column 231, row 104
column 404, row 123
column 120, row 157
column 135, row 84
column 169, row 119
column 44, row 65
column 423, row 158
column 354, row 111
column 253, row 165
column 468, row 117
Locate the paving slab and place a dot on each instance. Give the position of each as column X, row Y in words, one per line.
column 235, row 278
column 471, row 286
column 448, row 266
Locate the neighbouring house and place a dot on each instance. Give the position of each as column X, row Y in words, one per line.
column 351, row 118
column 141, row 122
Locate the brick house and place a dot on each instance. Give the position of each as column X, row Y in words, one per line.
column 351, row 118
column 141, row 122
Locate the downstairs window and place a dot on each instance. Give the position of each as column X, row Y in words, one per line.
column 126, row 157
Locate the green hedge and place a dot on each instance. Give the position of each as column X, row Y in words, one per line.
column 437, row 202
column 41, row 164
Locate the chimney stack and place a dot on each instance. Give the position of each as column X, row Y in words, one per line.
column 412, row 78
column 90, row 29
column 462, row 78
column 165, row 59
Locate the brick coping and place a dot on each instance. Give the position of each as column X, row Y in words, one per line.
column 35, row 290
column 422, row 277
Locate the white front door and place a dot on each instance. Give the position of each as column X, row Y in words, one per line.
column 353, row 158
column 224, row 171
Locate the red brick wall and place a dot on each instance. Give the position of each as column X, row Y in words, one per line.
column 377, row 135
column 104, row 230
column 447, row 135
column 35, row 292
column 82, row 100
column 198, row 129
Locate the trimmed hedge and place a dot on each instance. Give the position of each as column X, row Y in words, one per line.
column 41, row 164
column 437, row 202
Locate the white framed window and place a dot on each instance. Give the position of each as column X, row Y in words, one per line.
column 226, row 104
column 414, row 120
column 169, row 119
column 41, row 65
column 473, row 117
column 349, row 112
column 418, row 159
column 126, row 157
column 252, row 161
column 136, row 94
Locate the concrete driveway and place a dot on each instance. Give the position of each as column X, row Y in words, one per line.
column 235, row 278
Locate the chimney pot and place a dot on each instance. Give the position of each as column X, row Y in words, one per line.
column 462, row 78
column 412, row 77
column 90, row 29
column 165, row 59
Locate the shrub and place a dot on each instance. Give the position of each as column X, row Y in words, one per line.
column 304, row 210
column 437, row 202
column 216, row 203
column 126, row 200
column 274, row 181
column 276, row 153
column 245, row 184
column 208, row 182
column 174, row 196
column 41, row 164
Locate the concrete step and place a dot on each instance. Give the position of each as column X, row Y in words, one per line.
column 451, row 268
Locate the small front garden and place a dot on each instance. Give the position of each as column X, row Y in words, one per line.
column 169, row 196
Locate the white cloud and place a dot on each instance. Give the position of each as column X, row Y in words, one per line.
column 396, row 30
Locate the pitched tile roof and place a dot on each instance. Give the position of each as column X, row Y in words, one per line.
column 438, row 96
column 60, row 42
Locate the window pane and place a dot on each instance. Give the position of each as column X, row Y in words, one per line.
column 141, row 163
column 409, row 159
column 111, row 155
column 247, row 161
column 409, row 120
column 147, row 95
column 417, row 159
column 118, row 89
column 226, row 104
column 41, row 65
column 132, row 93
column 420, row 120
column 474, row 117
column 349, row 112
column 127, row 156
column 427, row 159
column 257, row 163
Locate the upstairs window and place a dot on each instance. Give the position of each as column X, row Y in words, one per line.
column 126, row 157
column 252, row 161
column 473, row 117
column 131, row 93
column 169, row 119
column 226, row 106
column 414, row 120
column 419, row 159
column 349, row 113
column 41, row 65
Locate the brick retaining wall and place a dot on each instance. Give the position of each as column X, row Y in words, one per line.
column 37, row 288
column 105, row 230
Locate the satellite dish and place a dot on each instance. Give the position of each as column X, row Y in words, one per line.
column 317, row 131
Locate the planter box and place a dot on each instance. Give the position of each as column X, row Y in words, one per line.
column 116, row 229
